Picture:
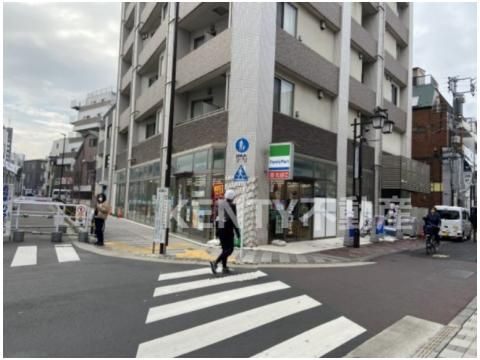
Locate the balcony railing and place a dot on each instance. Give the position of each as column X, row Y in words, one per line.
column 124, row 120
column 151, row 45
column 128, row 42
column 126, row 79
column 150, row 98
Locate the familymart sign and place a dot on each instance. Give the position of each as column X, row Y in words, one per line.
column 280, row 161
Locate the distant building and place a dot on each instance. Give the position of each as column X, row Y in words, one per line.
column 7, row 143
column 34, row 171
column 84, row 171
column 432, row 141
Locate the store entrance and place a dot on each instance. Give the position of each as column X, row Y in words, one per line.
column 192, row 212
column 296, row 197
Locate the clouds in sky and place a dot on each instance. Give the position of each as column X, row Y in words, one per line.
column 54, row 53
column 445, row 44
column 57, row 52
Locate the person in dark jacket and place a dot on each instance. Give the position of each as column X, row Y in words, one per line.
column 227, row 227
column 473, row 220
column 432, row 224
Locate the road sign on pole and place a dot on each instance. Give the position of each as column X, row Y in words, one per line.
column 162, row 212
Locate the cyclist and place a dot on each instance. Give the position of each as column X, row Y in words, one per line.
column 432, row 224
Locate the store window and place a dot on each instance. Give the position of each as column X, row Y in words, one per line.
column 283, row 96
column 287, row 18
column 200, row 162
column 219, row 159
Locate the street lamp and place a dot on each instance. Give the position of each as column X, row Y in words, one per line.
column 61, row 169
column 379, row 120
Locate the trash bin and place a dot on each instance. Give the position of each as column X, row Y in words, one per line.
column 18, row 236
column 56, row 236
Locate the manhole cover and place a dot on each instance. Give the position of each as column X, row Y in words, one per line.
column 440, row 256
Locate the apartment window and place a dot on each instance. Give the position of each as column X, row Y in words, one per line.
column 149, row 130
column 92, row 142
column 107, row 160
column 198, row 41
column 395, row 91
column 287, row 18
column 283, row 96
column 109, row 131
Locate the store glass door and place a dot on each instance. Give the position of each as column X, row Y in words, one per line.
column 298, row 196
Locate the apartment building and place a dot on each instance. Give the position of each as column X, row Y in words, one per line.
column 269, row 73
column 435, row 142
column 34, row 171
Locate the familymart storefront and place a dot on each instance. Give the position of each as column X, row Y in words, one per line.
column 305, row 195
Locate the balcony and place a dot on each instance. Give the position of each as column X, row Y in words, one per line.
column 128, row 43
column 151, row 45
column 205, row 62
column 396, row 27
column 396, row 69
column 307, row 64
column 151, row 11
column 124, row 120
column 121, row 161
column 150, row 99
column 365, row 42
column 129, row 9
column 147, row 150
column 361, row 96
column 185, row 8
column 329, row 11
column 398, row 116
column 126, row 79
column 87, row 124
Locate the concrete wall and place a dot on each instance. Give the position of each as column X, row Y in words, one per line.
column 355, row 65
column 393, row 143
column 390, row 44
column 357, row 12
column 308, row 29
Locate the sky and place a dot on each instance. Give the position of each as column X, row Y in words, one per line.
column 54, row 53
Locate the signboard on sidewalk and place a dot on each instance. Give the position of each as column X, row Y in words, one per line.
column 280, row 161
column 7, row 208
column 162, row 211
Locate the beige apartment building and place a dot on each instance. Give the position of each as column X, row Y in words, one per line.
column 268, row 73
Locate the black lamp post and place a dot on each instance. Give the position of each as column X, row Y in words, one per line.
column 379, row 120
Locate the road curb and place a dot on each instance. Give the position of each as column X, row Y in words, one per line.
column 440, row 341
column 100, row 251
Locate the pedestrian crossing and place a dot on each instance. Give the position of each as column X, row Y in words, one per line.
column 28, row 255
column 183, row 294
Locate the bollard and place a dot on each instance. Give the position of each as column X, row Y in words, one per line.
column 56, row 236
column 18, row 236
column 62, row 229
column 83, row 236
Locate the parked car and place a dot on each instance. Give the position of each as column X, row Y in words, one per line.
column 455, row 222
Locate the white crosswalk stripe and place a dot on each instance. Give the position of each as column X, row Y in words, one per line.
column 202, row 302
column 28, row 255
column 318, row 341
column 24, row 256
column 193, row 285
column 210, row 333
column 66, row 253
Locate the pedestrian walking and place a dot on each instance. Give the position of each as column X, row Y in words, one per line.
column 227, row 227
column 473, row 220
column 102, row 211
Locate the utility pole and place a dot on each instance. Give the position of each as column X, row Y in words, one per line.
column 454, row 139
column 61, row 169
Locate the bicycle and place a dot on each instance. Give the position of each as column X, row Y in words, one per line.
column 431, row 245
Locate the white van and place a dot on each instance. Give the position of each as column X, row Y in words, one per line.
column 455, row 222
column 63, row 195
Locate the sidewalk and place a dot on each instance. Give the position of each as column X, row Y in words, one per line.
column 125, row 237
column 456, row 340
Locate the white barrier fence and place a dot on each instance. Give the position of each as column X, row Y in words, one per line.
column 79, row 215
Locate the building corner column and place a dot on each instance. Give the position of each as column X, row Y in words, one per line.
column 250, row 112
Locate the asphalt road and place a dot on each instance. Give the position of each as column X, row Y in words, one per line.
column 97, row 307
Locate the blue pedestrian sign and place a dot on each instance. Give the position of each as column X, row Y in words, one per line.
column 240, row 174
column 242, row 145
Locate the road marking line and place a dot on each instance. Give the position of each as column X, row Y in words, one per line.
column 183, row 274
column 66, row 253
column 316, row 342
column 25, row 255
column 198, row 337
column 206, row 301
column 198, row 284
